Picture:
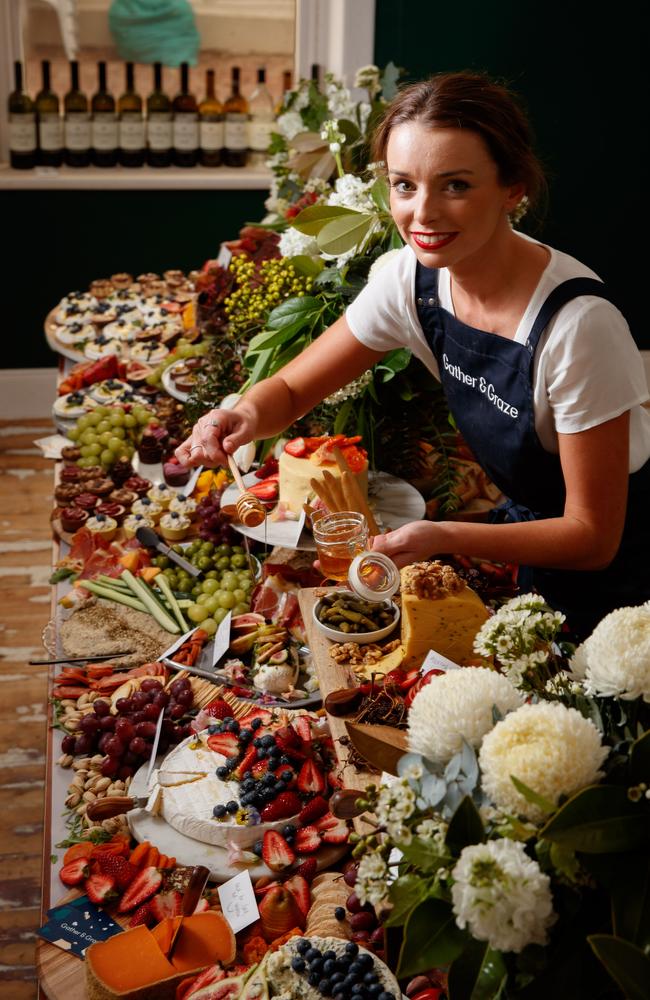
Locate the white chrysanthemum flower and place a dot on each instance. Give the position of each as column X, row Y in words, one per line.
column 371, row 885
column 339, row 101
column 352, row 192
column 578, row 662
column 289, row 124
column 457, row 705
column 381, row 262
column 293, row 243
column 553, row 749
column 502, row 896
column 617, row 655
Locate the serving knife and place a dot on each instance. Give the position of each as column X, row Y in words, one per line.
column 191, row 896
column 152, row 540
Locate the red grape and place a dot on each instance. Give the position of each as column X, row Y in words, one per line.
column 185, row 698
column 124, row 705
column 146, row 730
column 83, row 743
column 114, row 747
column 138, row 746
column 150, row 684
column 138, row 717
column 140, row 699
column 110, row 767
column 161, row 699
column 68, row 743
column 125, row 729
column 176, row 712
column 101, row 708
column 89, row 724
column 151, row 712
column 125, row 772
column 107, row 723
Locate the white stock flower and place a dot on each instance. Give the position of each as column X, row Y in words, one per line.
column 352, row 192
column 553, row 749
column 371, row 885
column 457, row 705
column 617, row 655
column 293, row 243
column 289, row 124
column 339, row 101
column 395, row 802
column 519, row 635
column 502, row 896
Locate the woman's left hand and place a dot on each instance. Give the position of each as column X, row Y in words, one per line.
column 411, row 543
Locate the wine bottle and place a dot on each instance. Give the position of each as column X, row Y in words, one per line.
column 104, row 123
column 186, row 123
column 131, row 124
column 50, row 131
column 210, row 125
column 22, row 125
column 260, row 123
column 159, row 123
column 235, row 139
column 286, row 87
column 76, row 122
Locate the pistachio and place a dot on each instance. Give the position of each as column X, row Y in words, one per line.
column 71, row 725
column 81, row 809
column 73, row 800
column 89, row 796
column 101, row 784
column 65, row 760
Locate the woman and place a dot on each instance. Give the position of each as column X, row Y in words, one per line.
column 539, row 368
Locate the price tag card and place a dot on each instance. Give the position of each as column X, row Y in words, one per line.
column 436, row 661
column 238, row 901
column 221, row 639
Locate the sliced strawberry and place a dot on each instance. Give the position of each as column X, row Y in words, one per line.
column 298, row 886
column 142, row 915
column 266, row 490
column 100, row 889
column 286, row 804
column 314, row 809
column 262, row 886
column 307, row 840
column 276, row 852
column 259, row 768
column 218, row 708
column 257, row 713
column 245, row 764
column 355, row 458
column 307, row 869
column 74, row 872
column 270, row 468
column 118, row 868
column 310, row 780
column 337, row 834
column 326, row 822
column 302, row 726
column 226, row 744
column 166, row 904
column 146, row 882
column 297, row 447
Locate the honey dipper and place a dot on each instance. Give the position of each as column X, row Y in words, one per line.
column 250, row 511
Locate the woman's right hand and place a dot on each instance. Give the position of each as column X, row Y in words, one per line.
column 214, row 436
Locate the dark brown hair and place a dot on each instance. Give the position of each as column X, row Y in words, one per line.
column 475, row 102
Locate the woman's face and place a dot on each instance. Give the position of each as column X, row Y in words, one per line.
column 445, row 194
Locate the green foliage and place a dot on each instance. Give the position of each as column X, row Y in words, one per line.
column 431, row 938
column 626, row 964
column 479, row 973
column 599, row 819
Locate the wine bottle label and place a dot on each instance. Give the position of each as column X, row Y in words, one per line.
column 132, row 130
column 50, row 131
column 76, row 130
column 186, row 132
column 236, row 131
column 259, row 134
column 159, row 130
column 211, row 135
column 22, row 133
column 104, row 131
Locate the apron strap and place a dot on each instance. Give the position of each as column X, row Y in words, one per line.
column 564, row 292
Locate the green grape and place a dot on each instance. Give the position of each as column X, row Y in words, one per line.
column 107, row 457
column 85, row 450
column 88, row 437
column 184, row 586
column 238, row 560
column 83, row 423
column 209, row 626
column 196, row 613
column 115, row 444
column 94, row 418
column 225, row 600
column 94, row 449
column 211, row 574
column 219, row 615
column 119, row 432
column 129, row 420
column 229, row 581
column 117, row 418
column 209, row 586
column 223, row 563
column 142, row 416
column 238, row 550
column 105, row 438
column 211, row 603
column 102, row 410
column 73, row 434
column 85, row 463
column 239, row 594
column 241, row 609
column 224, row 550
column 196, row 590
column 102, row 426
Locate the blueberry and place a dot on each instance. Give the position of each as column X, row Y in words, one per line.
column 312, row 954
column 222, row 772
column 328, row 966
column 284, row 759
column 325, row 987
column 232, row 727
column 261, row 753
column 245, row 736
column 304, row 944
column 385, row 995
column 339, row 913
column 316, row 966
column 329, row 956
column 289, row 830
column 355, row 968
column 298, row 964
column 269, row 779
column 268, row 740
column 227, row 719
column 364, row 959
column 374, row 990
column 231, row 763
column 219, row 811
column 370, row 978
column 358, row 989
column 337, row 978
column 257, row 848
column 257, row 742
column 352, row 949
column 286, row 777
column 232, row 806
column 313, row 978
column 256, row 723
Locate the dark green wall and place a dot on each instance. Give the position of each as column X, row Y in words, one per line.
column 582, row 71
column 62, row 240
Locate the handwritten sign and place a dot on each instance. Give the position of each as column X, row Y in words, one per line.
column 238, row 902
column 436, row 661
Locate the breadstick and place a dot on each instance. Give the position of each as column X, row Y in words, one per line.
column 352, row 486
column 336, row 489
column 320, row 489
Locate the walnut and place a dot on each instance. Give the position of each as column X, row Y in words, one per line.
column 431, row 580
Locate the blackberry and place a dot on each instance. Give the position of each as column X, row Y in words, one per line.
column 339, row 913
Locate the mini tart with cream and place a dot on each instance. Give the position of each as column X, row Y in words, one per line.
column 162, row 494
column 183, row 505
column 110, row 390
column 73, row 518
column 123, row 328
column 73, row 405
column 105, row 527
column 148, row 508
column 174, row 527
column 101, row 347
column 150, row 353
column 75, row 333
column 131, row 524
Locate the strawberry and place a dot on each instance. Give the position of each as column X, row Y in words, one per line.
column 257, row 713
column 326, row 822
column 118, row 868
column 310, row 780
column 146, row 882
column 268, row 489
column 299, row 889
column 276, row 852
column 259, row 768
column 314, row 809
column 287, row 739
column 265, row 883
column 166, row 904
column 245, row 763
column 286, row 804
column 336, row 834
column 74, row 872
column 297, row 447
column 218, row 708
column 100, row 889
column 307, row 840
column 307, row 869
column 302, row 725
column 226, row 744
column 142, row 915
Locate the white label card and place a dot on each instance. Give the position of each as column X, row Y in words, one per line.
column 436, row 661
column 238, row 901
column 225, row 256
column 300, row 524
column 169, row 653
column 221, row 639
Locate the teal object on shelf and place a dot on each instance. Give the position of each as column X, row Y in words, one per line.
column 149, row 31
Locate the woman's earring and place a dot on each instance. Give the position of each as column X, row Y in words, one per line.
column 519, row 211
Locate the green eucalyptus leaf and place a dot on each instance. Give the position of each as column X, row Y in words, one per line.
column 405, row 893
column 312, row 219
column 389, row 80
column 431, row 938
column 478, row 974
column 599, row 819
column 465, row 826
column 293, row 312
column 345, row 234
column 626, row 964
column 538, row 800
column 307, row 266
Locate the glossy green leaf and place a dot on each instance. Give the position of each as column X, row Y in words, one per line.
column 380, row 193
column 599, row 819
column 345, row 233
column 293, row 313
column 423, row 854
column 405, row 893
column 465, row 826
column 261, row 367
column 394, row 362
column 431, row 938
column 268, row 339
column 627, row 879
column 640, row 760
column 307, row 266
column 312, row 219
column 478, row 974
column 342, row 416
column 626, row 964
column 531, row 796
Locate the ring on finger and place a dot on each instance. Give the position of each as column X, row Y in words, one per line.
column 215, row 423
column 196, row 447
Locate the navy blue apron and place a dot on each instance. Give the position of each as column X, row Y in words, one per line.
column 488, row 383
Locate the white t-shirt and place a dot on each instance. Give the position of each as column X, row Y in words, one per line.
column 587, row 368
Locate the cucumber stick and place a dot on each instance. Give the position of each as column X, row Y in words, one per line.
column 113, row 594
column 151, row 602
column 161, row 582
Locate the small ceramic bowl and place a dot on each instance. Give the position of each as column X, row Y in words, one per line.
column 361, row 637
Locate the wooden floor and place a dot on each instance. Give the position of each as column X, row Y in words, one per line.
column 25, row 559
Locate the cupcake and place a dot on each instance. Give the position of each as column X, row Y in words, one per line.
column 70, row 474
column 121, row 470
column 132, row 522
column 87, row 501
column 65, row 493
column 105, row 527
column 70, row 453
column 137, row 484
column 92, row 472
column 174, row 527
column 115, row 510
column 183, row 505
column 124, row 497
column 175, row 473
column 101, row 487
column 73, row 518
column 122, row 280
column 161, row 493
column 148, row 508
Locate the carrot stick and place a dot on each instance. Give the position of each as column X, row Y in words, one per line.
column 139, row 854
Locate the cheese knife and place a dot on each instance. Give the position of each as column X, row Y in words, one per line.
column 152, row 540
column 191, row 896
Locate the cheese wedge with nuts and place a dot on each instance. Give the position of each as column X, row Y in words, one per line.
column 439, row 611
